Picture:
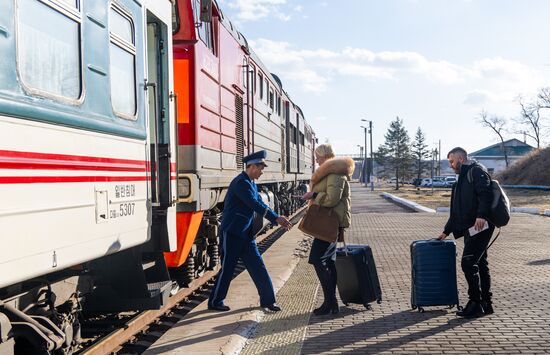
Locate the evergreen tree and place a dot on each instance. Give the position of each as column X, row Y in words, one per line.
column 420, row 151
column 395, row 153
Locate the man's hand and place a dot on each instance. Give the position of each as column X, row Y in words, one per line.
column 480, row 223
column 284, row 222
column 307, row 195
column 442, row 236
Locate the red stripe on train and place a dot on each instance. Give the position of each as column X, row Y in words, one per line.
column 31, row 160
column 67, row 179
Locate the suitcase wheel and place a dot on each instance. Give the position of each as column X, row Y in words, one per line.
column 368, row 306
column 460, row 308
column 379, row 301
column 413, row 306
column 420, row 309
column 346, row 304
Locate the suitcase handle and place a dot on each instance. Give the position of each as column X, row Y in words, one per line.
column 435, row 242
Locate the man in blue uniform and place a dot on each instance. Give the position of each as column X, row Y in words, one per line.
column 237, row 240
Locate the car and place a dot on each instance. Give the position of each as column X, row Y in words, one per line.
column 426, row 182
column 449, row 181
column 438, row 181
column 416, row 181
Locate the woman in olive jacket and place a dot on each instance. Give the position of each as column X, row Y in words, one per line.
column 329, row 188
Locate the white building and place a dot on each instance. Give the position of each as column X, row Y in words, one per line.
column 492, row 157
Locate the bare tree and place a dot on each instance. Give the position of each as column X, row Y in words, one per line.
column 497, row 125
column 530, row 116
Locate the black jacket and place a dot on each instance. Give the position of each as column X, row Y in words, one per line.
column 469, row 200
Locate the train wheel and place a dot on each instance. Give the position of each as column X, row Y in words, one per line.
column 185, row 274
column 213, row 256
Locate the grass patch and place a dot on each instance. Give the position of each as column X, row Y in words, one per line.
column 441, row 197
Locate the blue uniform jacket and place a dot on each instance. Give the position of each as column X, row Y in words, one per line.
column 241, row 202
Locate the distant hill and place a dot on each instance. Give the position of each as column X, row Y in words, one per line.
column 533, row 169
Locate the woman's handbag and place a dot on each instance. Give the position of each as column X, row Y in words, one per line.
column 320, row 222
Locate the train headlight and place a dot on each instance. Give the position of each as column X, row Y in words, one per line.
column 184, row 187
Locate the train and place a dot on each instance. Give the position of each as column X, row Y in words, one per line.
column 122, row 124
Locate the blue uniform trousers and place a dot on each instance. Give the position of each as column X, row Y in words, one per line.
column 233, row 248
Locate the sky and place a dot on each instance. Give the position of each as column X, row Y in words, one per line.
column 436, row 64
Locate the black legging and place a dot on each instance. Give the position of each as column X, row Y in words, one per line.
column 326, row 272
column 322, row 256
column 477, row 273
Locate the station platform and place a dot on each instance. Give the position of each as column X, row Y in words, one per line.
column 520, row 267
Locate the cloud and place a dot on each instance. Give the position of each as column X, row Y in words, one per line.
column 255, row 10
column 478, row 97
column 485, row 80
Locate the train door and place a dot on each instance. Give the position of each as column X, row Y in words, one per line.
column 162, row 168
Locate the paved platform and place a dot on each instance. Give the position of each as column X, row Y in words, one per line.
column 520, row 264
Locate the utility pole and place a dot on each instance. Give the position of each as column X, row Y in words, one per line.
column 365, row 157
column 361, row 156
column 371, row 166
column 439, row 160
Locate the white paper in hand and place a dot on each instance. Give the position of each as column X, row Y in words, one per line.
column 472, row 230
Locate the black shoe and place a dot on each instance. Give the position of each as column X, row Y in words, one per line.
column 487, row 307
column 274, row 307
column 326, row 309
column 221, row 308
column 473, row 309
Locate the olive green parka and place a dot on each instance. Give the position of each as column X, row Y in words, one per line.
column 331, row 183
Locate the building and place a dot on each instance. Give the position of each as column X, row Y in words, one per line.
column 492, row 157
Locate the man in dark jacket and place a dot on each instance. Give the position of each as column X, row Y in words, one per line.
column 470, row 206
column 237, row 239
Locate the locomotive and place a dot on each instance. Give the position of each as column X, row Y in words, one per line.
column 122, row 124
column 229, row 105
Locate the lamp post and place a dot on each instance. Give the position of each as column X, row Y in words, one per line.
column 360, row 157
column 364, row 170
column 371, row 164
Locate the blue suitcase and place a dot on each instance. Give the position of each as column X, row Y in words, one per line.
column 433, row 265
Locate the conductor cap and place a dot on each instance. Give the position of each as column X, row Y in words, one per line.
column 256, row 158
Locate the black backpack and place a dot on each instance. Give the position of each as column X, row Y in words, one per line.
column 499, row 214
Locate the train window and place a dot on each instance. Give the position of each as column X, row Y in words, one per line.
column 122, row 63
column 253, row 79
column 175, row 18
column 261, row 85
column 48, row 47
column 278, row 105
column 266, row 91
column 302, row 139
column 271, row 99
column 292, row 134
column 204, row 29
column 245, row 72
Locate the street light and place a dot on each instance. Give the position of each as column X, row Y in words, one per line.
column 371, row 165
column 365, row 157
column 360, row 157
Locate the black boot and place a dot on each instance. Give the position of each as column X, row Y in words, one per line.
column 487, row 307
column 473, row 309
column 330, row 304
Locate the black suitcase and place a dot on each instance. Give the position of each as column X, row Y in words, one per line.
column 357, row 277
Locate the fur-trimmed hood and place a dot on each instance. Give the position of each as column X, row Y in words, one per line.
column 344, row 166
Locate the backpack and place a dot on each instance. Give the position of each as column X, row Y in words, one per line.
column 499, row 213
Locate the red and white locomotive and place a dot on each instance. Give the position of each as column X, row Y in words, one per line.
column 228, row 106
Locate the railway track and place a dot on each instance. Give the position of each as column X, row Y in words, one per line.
column 133, row 333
